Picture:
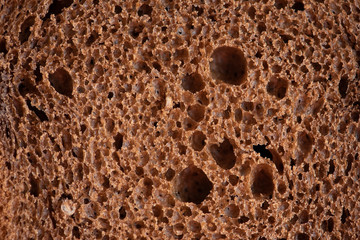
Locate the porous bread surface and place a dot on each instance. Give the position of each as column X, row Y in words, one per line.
column 179, row 119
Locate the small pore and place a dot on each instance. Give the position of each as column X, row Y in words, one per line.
column 62, row 82
column 262, row 180
column 193, row 82
column 223, row 154
column 228, row 65
column 192, row 185
column 277, row 87
column 25, row 29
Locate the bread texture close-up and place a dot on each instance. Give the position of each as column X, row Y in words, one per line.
column 164, row 119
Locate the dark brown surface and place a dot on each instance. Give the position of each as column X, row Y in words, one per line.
column 103, row 104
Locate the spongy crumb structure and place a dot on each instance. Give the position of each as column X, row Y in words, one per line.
column 179, row 119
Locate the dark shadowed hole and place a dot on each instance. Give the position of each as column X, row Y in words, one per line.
column 228, row 65
column 62, row 82
column 262, row 181
column 144, row 10
column 118, row 141
column 34, row 186
column 305, row 142
column 223, row 154
column 345, row 214
column 331, row 167
column 122, row 213
column 26, row 87
column 298, row 6
column 193, row 82
column 343, row 86
column 280, row 3
column 38, row 74
column 277, row 87
column 118, row 9
column 76, row 232
column 301, row 236
column 39, row 113
column 272, row 155
column 135, row 30
column 196, row 112
column 192, row 185
column 169, row 175
column 93, row 36
column 57, row 7
column 243, row 219
column 198, row 140
column 3, row 46
column 25, row 29
column 265, row 153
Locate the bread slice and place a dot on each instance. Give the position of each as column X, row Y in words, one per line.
column 179, row 119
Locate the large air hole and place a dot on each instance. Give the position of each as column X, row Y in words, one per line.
column 192, row 185
column 118, row 141
column 265, row 153
column 223, row 154
column 304, row 142
column 280, row 3
column 302, row 236
column 270, row 154
column 196, row 112
column 25, row 29
column 34, row 186
column 144, row 10
column 298, row 6
column 343, row 86
column 62, row 82
column 277, row 87
column 198, row 140
column 92, row 38
column 135, row 29
column 228, row 65
column 26, row 86
column 57, row 7
column 39, row 113
column 66, row 140
column 262, row 180
column 3, row 48
column 76, row 232
column 193, row 82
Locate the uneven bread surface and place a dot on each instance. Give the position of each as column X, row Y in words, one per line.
column 170, row 119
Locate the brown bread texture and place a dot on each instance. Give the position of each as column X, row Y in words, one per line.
column 163, row 119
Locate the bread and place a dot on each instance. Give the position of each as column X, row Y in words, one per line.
column 179, row 119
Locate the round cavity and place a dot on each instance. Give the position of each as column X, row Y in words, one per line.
column 228, row 65
column 192, row 185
